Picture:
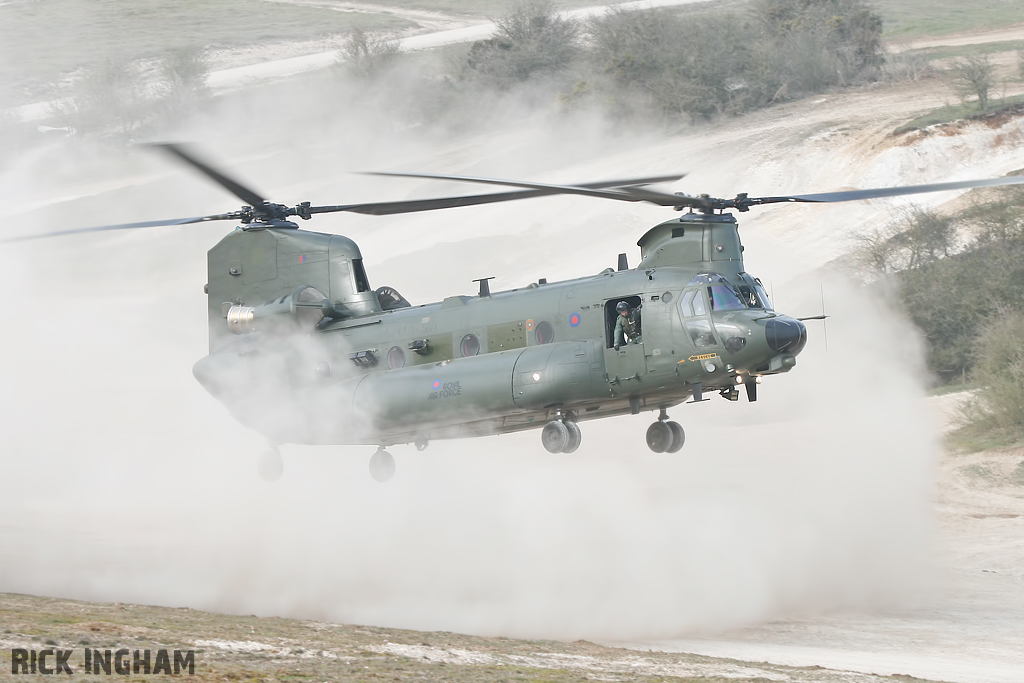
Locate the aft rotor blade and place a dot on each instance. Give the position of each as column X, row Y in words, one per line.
column 851, row 195
column 414, row 205
column 125, row 226
column 246, row 194
column 660, row 198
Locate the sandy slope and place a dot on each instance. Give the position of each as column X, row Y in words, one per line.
column 969, row 631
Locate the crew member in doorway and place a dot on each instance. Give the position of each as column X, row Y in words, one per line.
column 627, row 325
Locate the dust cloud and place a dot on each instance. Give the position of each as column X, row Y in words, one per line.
column 124, row 481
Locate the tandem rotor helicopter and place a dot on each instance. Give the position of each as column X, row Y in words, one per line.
column 304, row 351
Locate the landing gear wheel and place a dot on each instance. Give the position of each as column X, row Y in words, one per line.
column 678, row 437
column 555, row 436
column 271, row 465
column 382, row 466
column 421, row 443
column 659, row 437
column 575, row 437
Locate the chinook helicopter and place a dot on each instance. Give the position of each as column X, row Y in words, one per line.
column 304, row 350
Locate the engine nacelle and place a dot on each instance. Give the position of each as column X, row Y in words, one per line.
column 300, row 311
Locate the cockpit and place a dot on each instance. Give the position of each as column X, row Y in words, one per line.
column 723, row 295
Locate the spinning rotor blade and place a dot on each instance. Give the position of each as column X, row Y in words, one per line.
column 627, row 193
column 413, row 205
column 125, row 226
column 851, row 195
column 236, row 188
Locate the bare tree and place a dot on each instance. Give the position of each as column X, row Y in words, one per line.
column 974, row 76
column 365, row 55
column 183, row 72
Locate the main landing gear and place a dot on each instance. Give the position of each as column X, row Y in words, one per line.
column 665, row 436
column 561, row 435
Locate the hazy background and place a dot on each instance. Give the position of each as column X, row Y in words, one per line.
column 124, row 481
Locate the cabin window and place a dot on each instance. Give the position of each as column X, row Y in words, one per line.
column 545, row 333
column 396, row 358
column 470, row 345
column 362, row 284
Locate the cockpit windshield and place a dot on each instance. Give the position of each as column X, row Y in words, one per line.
column 725, row 296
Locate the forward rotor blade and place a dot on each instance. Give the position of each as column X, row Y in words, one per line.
column 124, row 226
column 247, row 195
column 889, row 191
column 414, row 205
column 625, row 195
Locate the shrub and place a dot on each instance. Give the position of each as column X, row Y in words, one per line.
column 365, row 55
column 974, row 75
column 532, row 41
column 1000, row 372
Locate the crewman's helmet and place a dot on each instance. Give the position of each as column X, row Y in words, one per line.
column 622, row 307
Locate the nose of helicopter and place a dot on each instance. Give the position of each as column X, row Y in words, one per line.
column 786, row 335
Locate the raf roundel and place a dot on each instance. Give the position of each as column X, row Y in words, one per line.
column 529, row 325
column 436, row 385
column 574, row 319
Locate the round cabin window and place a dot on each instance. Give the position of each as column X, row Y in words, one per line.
column 396, row 358
column 545, row 333
column 470, row 345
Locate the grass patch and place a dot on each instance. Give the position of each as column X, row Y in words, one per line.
column 963, row 112
column 1017, row 476
column 953, row 388
column 955, row 51
column 971, row 439
column 914, row 18
column 46, row 41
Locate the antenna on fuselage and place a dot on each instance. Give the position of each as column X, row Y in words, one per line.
column 485, row 288
column 623, row 262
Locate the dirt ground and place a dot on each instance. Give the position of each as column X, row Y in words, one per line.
column 969, row 630
column 240, row 648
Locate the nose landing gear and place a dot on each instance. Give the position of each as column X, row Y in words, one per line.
column 561, row 435
column 665, row 436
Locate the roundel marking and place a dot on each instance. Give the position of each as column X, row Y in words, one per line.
column 529, row 325
column 574, row 319
column 437, row 384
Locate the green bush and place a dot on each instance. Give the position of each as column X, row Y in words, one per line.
column 679, row 63
column 1000, row 372
column 955, row 274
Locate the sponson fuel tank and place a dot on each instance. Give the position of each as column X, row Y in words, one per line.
column 478, row 387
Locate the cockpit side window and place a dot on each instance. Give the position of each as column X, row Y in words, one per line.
column 685, row 304
column 766, row 303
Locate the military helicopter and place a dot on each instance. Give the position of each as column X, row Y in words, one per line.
column 304, row 351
